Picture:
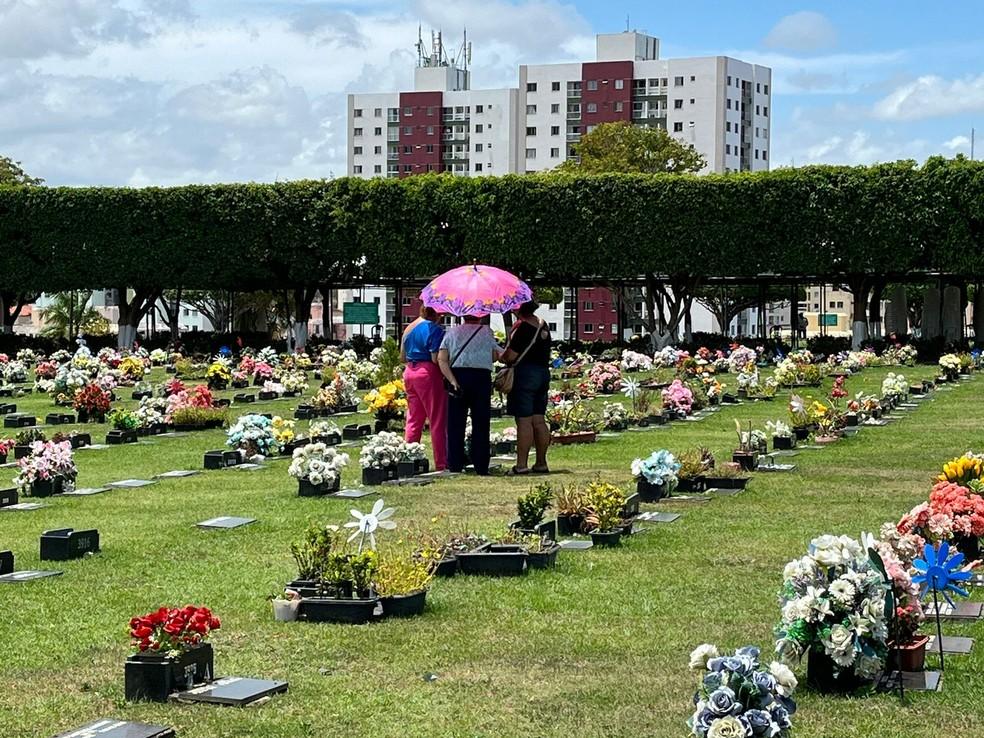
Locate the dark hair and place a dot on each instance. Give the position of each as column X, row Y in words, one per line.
column 528, row 309
column 473, row 318
column 428, row 313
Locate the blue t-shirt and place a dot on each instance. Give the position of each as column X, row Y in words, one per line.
column 423, row 340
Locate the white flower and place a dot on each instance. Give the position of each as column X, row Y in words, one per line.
column 785, row 679
column 701, row 655
column 842, row 591
column 860, row 625
column 839, row 645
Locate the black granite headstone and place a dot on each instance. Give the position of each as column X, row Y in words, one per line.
column 6, row 562
column 67, row 543
column 109, row 728
column 8, row 497
column 233, row 691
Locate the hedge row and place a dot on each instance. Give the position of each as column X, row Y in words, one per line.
column 815, row 222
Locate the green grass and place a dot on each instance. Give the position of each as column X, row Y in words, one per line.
column 596, row 648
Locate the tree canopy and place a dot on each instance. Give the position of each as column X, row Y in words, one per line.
column 623, row 147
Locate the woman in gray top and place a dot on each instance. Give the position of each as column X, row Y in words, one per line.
column 466, row 356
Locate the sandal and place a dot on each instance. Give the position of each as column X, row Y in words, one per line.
column 540, row 470
column 517, row 472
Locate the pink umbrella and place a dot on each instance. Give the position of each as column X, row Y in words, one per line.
column 476, row 290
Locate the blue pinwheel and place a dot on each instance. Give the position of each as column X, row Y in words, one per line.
column 939, row 570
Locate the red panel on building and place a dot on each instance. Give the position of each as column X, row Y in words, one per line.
column 607, row 86
column 597, row 314
column 420, row 132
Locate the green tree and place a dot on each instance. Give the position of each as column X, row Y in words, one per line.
column 12, row 174
column 624, row 147
column 727, row 301
column 69, row 314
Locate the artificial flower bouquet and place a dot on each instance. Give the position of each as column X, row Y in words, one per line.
column 949, row 365
column 158, row 357
column 317, row 464
column 91, row 402
column 381, row 451
column 387, row 402
column 262, row 372
column 571, row 417
column 605, row 378
column 786, row 372
column 323, row 429
column 253, row 434
column 131, row 369
column 667, row 357
column 123, row 420
column 294, row 382
column 678, row 397
column 953, row 511
column 151, row 411
column 273, row 388
column 833, row 606
column 633, row 361
column 778, row 429
column 47, row 462
column 894, row 385
column 737, row 698
column 897, row 552
column 46, row 370
column 658, row 470
column 615, row 416
column 219, row 374
column 172, row 631
column 963, row 470
column 6, row 445
column 283, row 431
column 742, row 359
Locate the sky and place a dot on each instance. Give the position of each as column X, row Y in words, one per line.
column 163, row 92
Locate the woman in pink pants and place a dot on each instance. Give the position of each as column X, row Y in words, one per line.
column 424, row 384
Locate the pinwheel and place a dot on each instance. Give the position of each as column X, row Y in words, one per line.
column 365, row 524
column 630, row 388
column 940, row 571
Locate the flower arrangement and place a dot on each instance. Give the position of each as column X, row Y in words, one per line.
column 294, row 381
column 158, row 357
column 268, row 355
column 151, row 411
column 899, row 355
column 381, row 451
column 401, row 574
column 605, row 377
column 798, row 415
column 894, row 385
column 786, row 372
column 317, row 463
column 131, row 369
column 253, row 434
column 748, row 380
column 92, row 400
column 833, row 605
column 753, row 439
column 339, row 392
column 962, row 470
column 198, row 396
column 678, row 397
column 46, row 370
column 949, row 365
column 568, row 417
column 47, row 460
column 659, row 468
column 123, row 419
column 388, row 401
column 283, row 431
column 322, row 428
column 506, row 435
column 13, row 372
column 6, row 444
column 218, row 374
column 173, row 386
column 634, row 361
column 107, row 380
column 271, row 386
column 615, row 416
column 736, row 698
column 952, row 510
column 604, row 502
column 263, row 371
column 778, row 429
column 172, row 631
column 741, row 359
column 837, row 392
column 897, row 553
column 412, row 452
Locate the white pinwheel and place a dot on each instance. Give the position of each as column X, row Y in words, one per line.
column 630, row 388
column 365, row 524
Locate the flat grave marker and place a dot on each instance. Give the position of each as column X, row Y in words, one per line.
column 353, row 494
column 572, row 545
column 959, row 611
column 130, row 483
column 86, row 491
column 24, row 506
column 951, row 644
column 28, row 575
column 657, row 517
column 226, row 522
column 233, row 691
column 110, row 728
column 177, row 474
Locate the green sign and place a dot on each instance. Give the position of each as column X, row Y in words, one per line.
column 829, row 319
column 360, row 313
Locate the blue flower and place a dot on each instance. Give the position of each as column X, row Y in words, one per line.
column 760, row 722
column 939, row 570
column 781, row 715
column 722, row 701
column 764, row 681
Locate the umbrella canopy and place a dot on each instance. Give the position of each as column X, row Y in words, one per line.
column 476, row 290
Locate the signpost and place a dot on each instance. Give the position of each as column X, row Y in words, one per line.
column 360, row 313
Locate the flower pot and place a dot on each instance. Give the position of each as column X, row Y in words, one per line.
column 492, row 559
column 285, row 611
column 820, row 675
column 446, row 567
column 690, row 484
column 21, row 452
column 572, row 438
column 546, row 559
column 852, row 420
column 546, row 529
column 267, row 396
column 969, row 546
column 568, row 525
column 713, row 482
column 631, row 506
column 338, row 610
column 217, row 384
column 747, row 460
column 783, row 443
column 306, row 489
column 405, row 605
column 609, row 538
column 118, row 437
column 80, row 439
column 504, row 448
column 823, row 440
column 801, row 433
column 48, row 487
column 154, row 676
column 421, row 466
column 304, row 412
column 908, row 656
column 405, row 469
column 373, row 476
column 876, row 412
column 649, row 492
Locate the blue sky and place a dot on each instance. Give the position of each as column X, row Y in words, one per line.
column 170, row 91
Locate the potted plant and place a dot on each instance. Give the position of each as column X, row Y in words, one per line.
column 412, row 460
column 678, row 398
column 541, row 551
column 171, row 652
column 317, row 469
column 605, row 502
column 532, row 507
column 379, row 457
column 656, row 475
column 345, row 593
column 125, row 424
column 833, row 608
column 218, row 375
column 750, row 444
column 571, row 509
column 294, row 383
column 271, row 390
column 737, row 697
column 949, row 366
column 286, row 605
column 572, row 421
column 48, row 470
column 401, row 582
column 91, row 403
column 310, row 555
column 150, row 416
column 504, row 442
column 253, row 434
column 826, row 420
column 24, row 439
column 798, row 417
column 388, row 404
column 284, row 439
column 906, row 646
column 726, row 476
column 693, row 465
column 783, row 438
column 494, row 559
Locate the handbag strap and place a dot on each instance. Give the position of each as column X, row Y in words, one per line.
column 536, row 337
column 464, row 346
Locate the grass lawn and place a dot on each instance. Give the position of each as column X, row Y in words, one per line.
column 598, row 647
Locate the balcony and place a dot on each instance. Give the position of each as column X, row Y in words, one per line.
column 393, row 157
column 571, row 137
column 573, row 116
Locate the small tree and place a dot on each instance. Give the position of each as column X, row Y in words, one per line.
column 623, row 147
column 70, row 314
column 12, row 174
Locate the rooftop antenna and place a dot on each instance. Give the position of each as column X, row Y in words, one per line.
column 626, row 22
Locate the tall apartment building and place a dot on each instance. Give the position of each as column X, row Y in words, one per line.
column 718, row 104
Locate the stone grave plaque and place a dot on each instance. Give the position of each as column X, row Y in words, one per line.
column 226, row 522
column 686, row 498
column 67, row 543
column 6, row 562
column 93, row 447
column 812, row 447
column 109, row 728
column 233, row 691
column 657, row 517
column 86, row 491
column 951, row 644
column 722, row 492
column 444, row 473
column 177, row 474
column 26, row 576
column 353, row 494
column 22, row 506
column 572, row 545
column 776, row 467
column 130, row 483
column 249, row 466
column 959, row 611
column 922, row 681
column 784, row 454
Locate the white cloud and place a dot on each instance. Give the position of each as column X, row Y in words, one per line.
column 957, row 143
column 805, row 31
column 931, row 96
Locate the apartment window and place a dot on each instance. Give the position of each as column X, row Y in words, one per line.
column 554, row 153
column 489, row 147
column 765, row 111
column 756, row 132
column 430, row 130
column 758, row 87
column 727, row 148
column 727, row 126
column 764, row 157
column 430, row 148
column 479, row 108
column 588, row 129
column 729, row 80
column 357, row 132
column 407, row 149
column 552, row 327
column 678, row 104
column 478, row 148
column 588, row 305
column 678, row 127
column 555, row 86
column 478, row 128
column 357, row 113
column 407, row 111
column 377, row 169
column 757, row 110
column 377, row 112
column 430, row 167
column 678, row 81
column 618, row 107
column 531, row 86
column 377, row 149
column 832, row 304
column 766, row 89
column 693, row 78
column 729, row 103
column 554, row 108
column 531, row 109
column 530, row 153
column 530, row 130
column 430, row 110
column 592, row 107
column 357, row 169
column 377, row 131
column 589, row 327
column 408, row 130
column 662, row 81
column 592, row 84
column 840, row 303
column 756, row 153
column 554, row 130
column 691, row 101
column 357, row 150
column 619, row 84
column 478, row 167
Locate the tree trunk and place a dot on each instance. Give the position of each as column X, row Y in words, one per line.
column 874, row 310
column 11, row 305
column 667, row 306
column 978, row 313
column 303, row 299
column 860, row 288
column 132, row 311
